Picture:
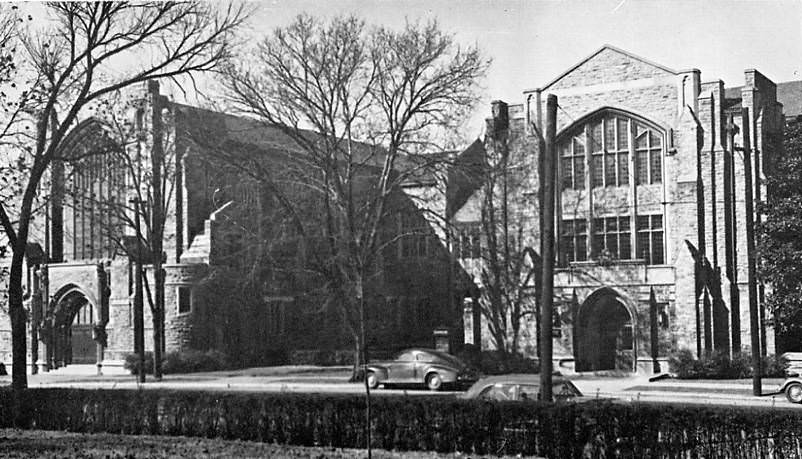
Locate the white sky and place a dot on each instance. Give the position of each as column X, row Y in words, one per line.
column 531, row 42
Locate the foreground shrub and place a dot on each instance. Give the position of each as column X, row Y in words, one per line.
column 321, row 357
column 192, row 361
column 719, row 365
column 562, row 430
column 132, row 363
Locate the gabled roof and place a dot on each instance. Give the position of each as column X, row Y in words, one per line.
column 599, row 51
column 465, row 176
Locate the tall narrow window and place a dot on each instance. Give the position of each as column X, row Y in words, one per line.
column 596, row 145
column 650, row 239
column 467, row 243
column 184, row 300
column 648, row 155
column 608, row 143
column 574, row 240
column 573, row 162
column 414, row 237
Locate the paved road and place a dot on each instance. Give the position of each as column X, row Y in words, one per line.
column 334, row 380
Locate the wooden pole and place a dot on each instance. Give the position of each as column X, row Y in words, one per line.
column 754, row 316
column 653, row 331
column 139, row 311
column 547, row 235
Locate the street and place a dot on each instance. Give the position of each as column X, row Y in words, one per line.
column 334, row 380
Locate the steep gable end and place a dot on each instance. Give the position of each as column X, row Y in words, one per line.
column 608, row 65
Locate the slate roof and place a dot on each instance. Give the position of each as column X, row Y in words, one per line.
column 789, row 93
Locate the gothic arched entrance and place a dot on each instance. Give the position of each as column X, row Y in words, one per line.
column 73, row 321
column 605, row 334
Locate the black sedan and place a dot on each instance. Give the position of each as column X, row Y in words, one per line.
column 428, row 367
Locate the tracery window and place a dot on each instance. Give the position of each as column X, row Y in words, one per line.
column 610, row 141
column 649, row 152
column 611, row 149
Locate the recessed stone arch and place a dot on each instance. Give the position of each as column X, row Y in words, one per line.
column 606, row 111
column 73, row 317
column 606, row 332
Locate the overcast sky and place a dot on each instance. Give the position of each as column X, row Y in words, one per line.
column 531, row 42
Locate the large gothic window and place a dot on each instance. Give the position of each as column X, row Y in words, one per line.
column 603, row 148
column 611, row 154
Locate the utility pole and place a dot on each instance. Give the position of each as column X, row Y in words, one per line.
column 139, row 317
column 754, row 316
column 157, row 227
column 547, row 238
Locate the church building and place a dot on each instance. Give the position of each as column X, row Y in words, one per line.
column 650, row 207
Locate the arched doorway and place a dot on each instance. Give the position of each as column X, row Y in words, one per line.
column 72, row 329
column 605, row 334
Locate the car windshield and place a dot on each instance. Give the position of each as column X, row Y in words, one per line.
column 499, row 392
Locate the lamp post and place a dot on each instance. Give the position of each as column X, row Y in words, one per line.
column 139, row 319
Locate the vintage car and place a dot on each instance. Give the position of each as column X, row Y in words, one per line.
column 421, row 366
column 792, row 387
column 519, row 388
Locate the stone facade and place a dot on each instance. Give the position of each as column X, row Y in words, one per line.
column 649, row 143
column 90, row 276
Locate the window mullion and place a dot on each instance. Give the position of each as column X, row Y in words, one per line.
column 589, row 190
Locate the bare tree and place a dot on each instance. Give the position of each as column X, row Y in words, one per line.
column 509, row 263
column 96, row 50
column 358, row 103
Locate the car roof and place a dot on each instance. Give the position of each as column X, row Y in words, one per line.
column 522, row 378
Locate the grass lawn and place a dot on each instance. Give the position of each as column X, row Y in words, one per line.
column 50, row 444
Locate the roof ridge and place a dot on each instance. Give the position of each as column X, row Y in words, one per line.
column 612, row 48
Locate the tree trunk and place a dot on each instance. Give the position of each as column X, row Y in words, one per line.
column 359, row 358
column 16, row 310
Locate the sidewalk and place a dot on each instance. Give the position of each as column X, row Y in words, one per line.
column 309, row 378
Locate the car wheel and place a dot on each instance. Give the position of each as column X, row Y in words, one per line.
column 794, row 393
column 373, row 380
column 434, row 381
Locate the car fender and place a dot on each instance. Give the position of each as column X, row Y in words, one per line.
column 379, row 371
column 448, row 375
column 788, row 382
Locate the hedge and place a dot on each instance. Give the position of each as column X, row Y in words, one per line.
column 719, row 365
column 596, row 429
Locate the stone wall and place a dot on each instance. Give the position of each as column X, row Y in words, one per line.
column 692, row 116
